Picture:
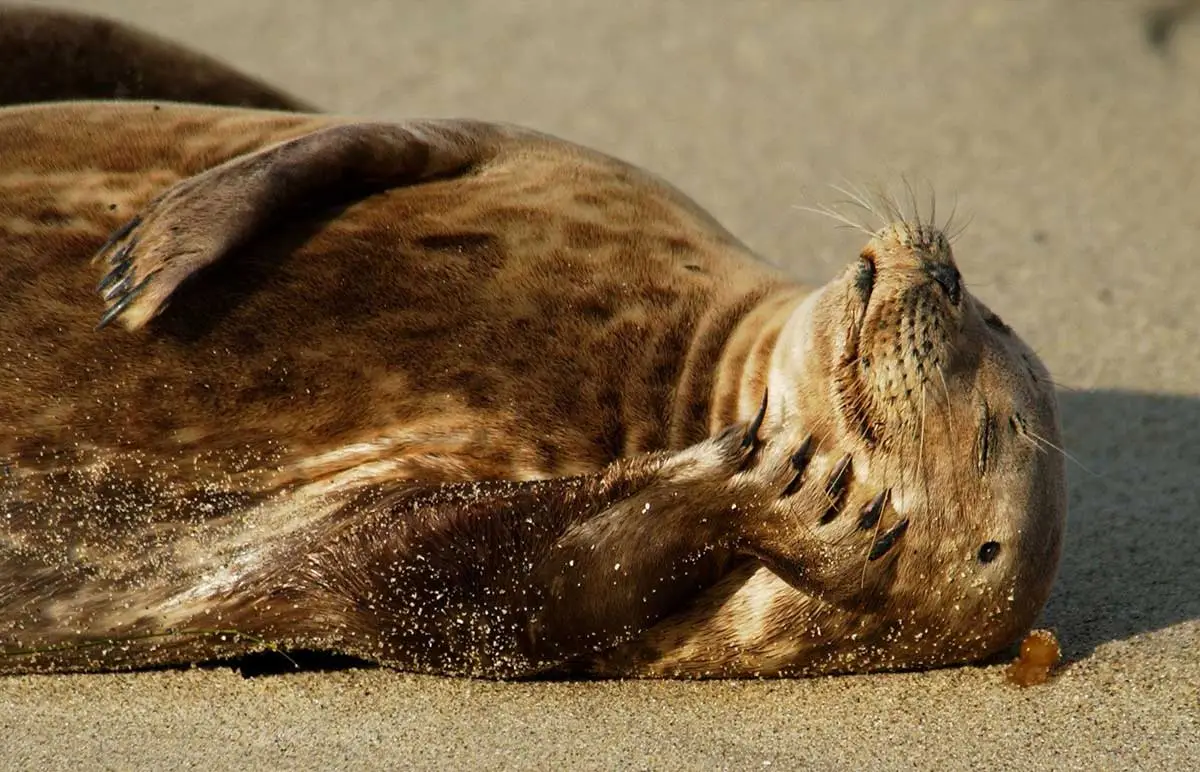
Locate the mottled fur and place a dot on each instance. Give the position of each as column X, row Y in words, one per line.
column 453, row 396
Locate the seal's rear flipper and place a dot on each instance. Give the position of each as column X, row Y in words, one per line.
column 200, row 220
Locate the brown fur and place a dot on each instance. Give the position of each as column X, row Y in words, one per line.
column 57, row 55
column 452, row 396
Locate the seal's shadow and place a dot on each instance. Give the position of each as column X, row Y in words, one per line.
column 1131, row 559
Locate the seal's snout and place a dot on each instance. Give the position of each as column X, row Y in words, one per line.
column 916, row 253
column 904, row 309
column 945, row 274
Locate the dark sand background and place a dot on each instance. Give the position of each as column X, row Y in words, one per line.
column 1068, row 129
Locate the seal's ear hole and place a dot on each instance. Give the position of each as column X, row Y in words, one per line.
column 989, row 551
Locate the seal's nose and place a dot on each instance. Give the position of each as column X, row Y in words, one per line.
column 947, row 275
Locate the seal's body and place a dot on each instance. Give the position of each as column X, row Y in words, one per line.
column 52, row 54
column 464, row 398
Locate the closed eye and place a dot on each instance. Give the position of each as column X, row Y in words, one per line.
column 984, row 439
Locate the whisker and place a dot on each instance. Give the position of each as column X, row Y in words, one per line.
column 852, row 197
column 912, row 201
column 1063, row 386
column 857, row 195
column 954, row 236
column 932, row 205
column 857, row 198
column 833, row 214
column 890, row 205
column 883, row 203
column 1042, row 444
column 886, row 209
column 950, row 220
column 949, row 405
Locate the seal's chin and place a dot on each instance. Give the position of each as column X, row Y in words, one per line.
column 851, row 396
column 815, row 365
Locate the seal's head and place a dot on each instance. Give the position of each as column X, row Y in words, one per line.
column 943, row 408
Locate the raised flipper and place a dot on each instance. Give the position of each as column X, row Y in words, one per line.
column 200, row 220
column 494, row 579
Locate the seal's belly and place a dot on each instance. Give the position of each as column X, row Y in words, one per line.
column 498, row 325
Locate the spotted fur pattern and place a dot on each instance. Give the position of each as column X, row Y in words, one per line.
column 452, row 396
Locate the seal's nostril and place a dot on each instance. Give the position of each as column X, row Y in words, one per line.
column 947, row 276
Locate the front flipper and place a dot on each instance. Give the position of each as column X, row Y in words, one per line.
column 821, row 532
column 509, row 579
column 201, row 219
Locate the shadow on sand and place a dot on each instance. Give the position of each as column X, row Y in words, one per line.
column 1131, row 560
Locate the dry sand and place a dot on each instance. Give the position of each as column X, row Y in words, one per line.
column 1068, row 129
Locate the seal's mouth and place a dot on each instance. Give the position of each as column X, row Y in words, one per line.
column 853, row 399
column 864, row 286
column 898, row 316
column 855, row 300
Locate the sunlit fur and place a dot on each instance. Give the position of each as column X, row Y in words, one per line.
column 269, row 454
column 909, row 384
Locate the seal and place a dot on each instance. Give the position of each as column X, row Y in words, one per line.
column 51, row 54
column 463, row 398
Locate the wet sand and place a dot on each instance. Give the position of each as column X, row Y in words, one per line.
column 1068, row 130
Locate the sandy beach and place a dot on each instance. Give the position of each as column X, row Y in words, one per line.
column 1067, row 130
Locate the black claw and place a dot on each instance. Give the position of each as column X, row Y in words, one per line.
column 871, row 512
column 121, row 286
column 751, row 438
column 117, row 308
column 888, row 540
column 751, row 441
column 835, row 489
column 121, row 256
column 801, row 456
column 119, row 234
column 113, row 312
column 799, row 462
column 112, row 277
column 120, row 263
